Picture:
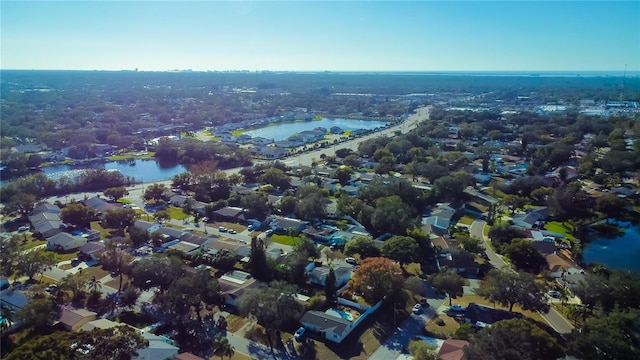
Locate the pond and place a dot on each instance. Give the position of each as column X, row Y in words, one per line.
column 139, row 169
column 621, row 252
column 283, row 130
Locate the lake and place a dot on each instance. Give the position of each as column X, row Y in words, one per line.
column 622, row 252
column 283, row 130
column 141, row 170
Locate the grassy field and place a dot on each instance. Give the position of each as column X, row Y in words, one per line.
column 177, row 213
column 467, row 219
column 560, row 228
column 283, row 239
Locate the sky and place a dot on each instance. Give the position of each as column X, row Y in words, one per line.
column 321, row 35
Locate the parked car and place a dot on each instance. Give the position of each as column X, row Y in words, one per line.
column 222, row 229
column 554, row 293
column 23, row 228
column 351, row 261
column 51, row 288
column 250, row 227
column 417, row 308
column 299, row 333
column 231, row 231
column 457, row 307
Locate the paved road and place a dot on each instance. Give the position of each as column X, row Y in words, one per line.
column 561, row 325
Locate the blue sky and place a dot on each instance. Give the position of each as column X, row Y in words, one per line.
column 327, row 35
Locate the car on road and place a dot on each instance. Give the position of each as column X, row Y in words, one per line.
column 51, row 288
column 250, row 227
column 554, row 293
column 351, row 261
column 222, row 229
column 299, row 333
column 23, row 228
column 231, row 231
column 457, row 307
column 417, row 308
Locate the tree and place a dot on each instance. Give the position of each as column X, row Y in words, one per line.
column 287, row 205
column 119, row 219
column 158, row 271
column 363, row 246
column 610, row 205
column 273, row 307
column 116, row 193
column 276, row 177
column 74, row 283
column 449, row 283
column 116, row 343
column 524, row 255
column 403, row 249
column 116, row 261
column 222, row 347
column 508, row 289
column 9, row 250
column 155, row 192
column 469, row 243
column 513, row 339
column 392, row 215
column 137, row 235
column 421, row 350
column 503, row 233
column 255, row 204
column 129, row 297
column 343, row 174
column 258, row 265
column 614, row 336
column 311, row 202
column 330, row 287
column 38, row 314
column 593, row 289
column 77, row 214
column 161, row 215
column 376, row 278
column 34, row 262
column 21, row 203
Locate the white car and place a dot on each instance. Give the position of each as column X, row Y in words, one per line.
column 417, row 308
column 554, row 293
column 351, row 261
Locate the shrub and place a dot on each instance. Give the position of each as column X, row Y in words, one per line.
column 439, row 322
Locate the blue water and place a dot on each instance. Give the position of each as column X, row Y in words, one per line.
column 143, row 170
column 621, row 252
column 284, row 130
column 344, row 314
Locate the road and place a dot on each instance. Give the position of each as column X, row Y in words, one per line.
column 561, row 325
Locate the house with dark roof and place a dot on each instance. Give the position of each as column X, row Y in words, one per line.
column 317, row 275
column 46, row 208
column 65, row 242
column 92, row 250
column 235, row 283
column 485, row 316
column 46, row 223
column 100, row 205
column 458, row 261
column 229, row 214
column 283, row 225
column 148, row 226
column 239, row 248
column 335, row 325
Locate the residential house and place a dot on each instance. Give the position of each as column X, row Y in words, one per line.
column 335, row 325
column 283, row 225
column 13, row 299
column 72, row 319
column 319, row 234
column 46, row 223
column 235, row 283
column 241, row 249
column 229, row 214
column 484, row 316
column 160, row 348
column 148, row 226
column 441, row 217
column 92, row 251
column 100, row 205
column 46, row 208
column 318, row 274
column 65, row 242
column 452, row 349
column 458, row 261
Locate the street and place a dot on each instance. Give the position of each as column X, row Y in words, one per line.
column 561, row 325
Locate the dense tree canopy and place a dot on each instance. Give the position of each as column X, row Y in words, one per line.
column 508, row 289
column 376, row 278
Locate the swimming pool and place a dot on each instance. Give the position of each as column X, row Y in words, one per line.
column 343, row 314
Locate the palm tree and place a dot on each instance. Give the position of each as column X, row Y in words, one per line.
column 222, row 347
column 94, row 284
column 564, row 296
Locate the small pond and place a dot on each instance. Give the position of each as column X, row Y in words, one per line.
column 621, row 252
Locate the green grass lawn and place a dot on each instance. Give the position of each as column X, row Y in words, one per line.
column 560, row 228
column 283, row 239
column 177, row 213
column 467, row 219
